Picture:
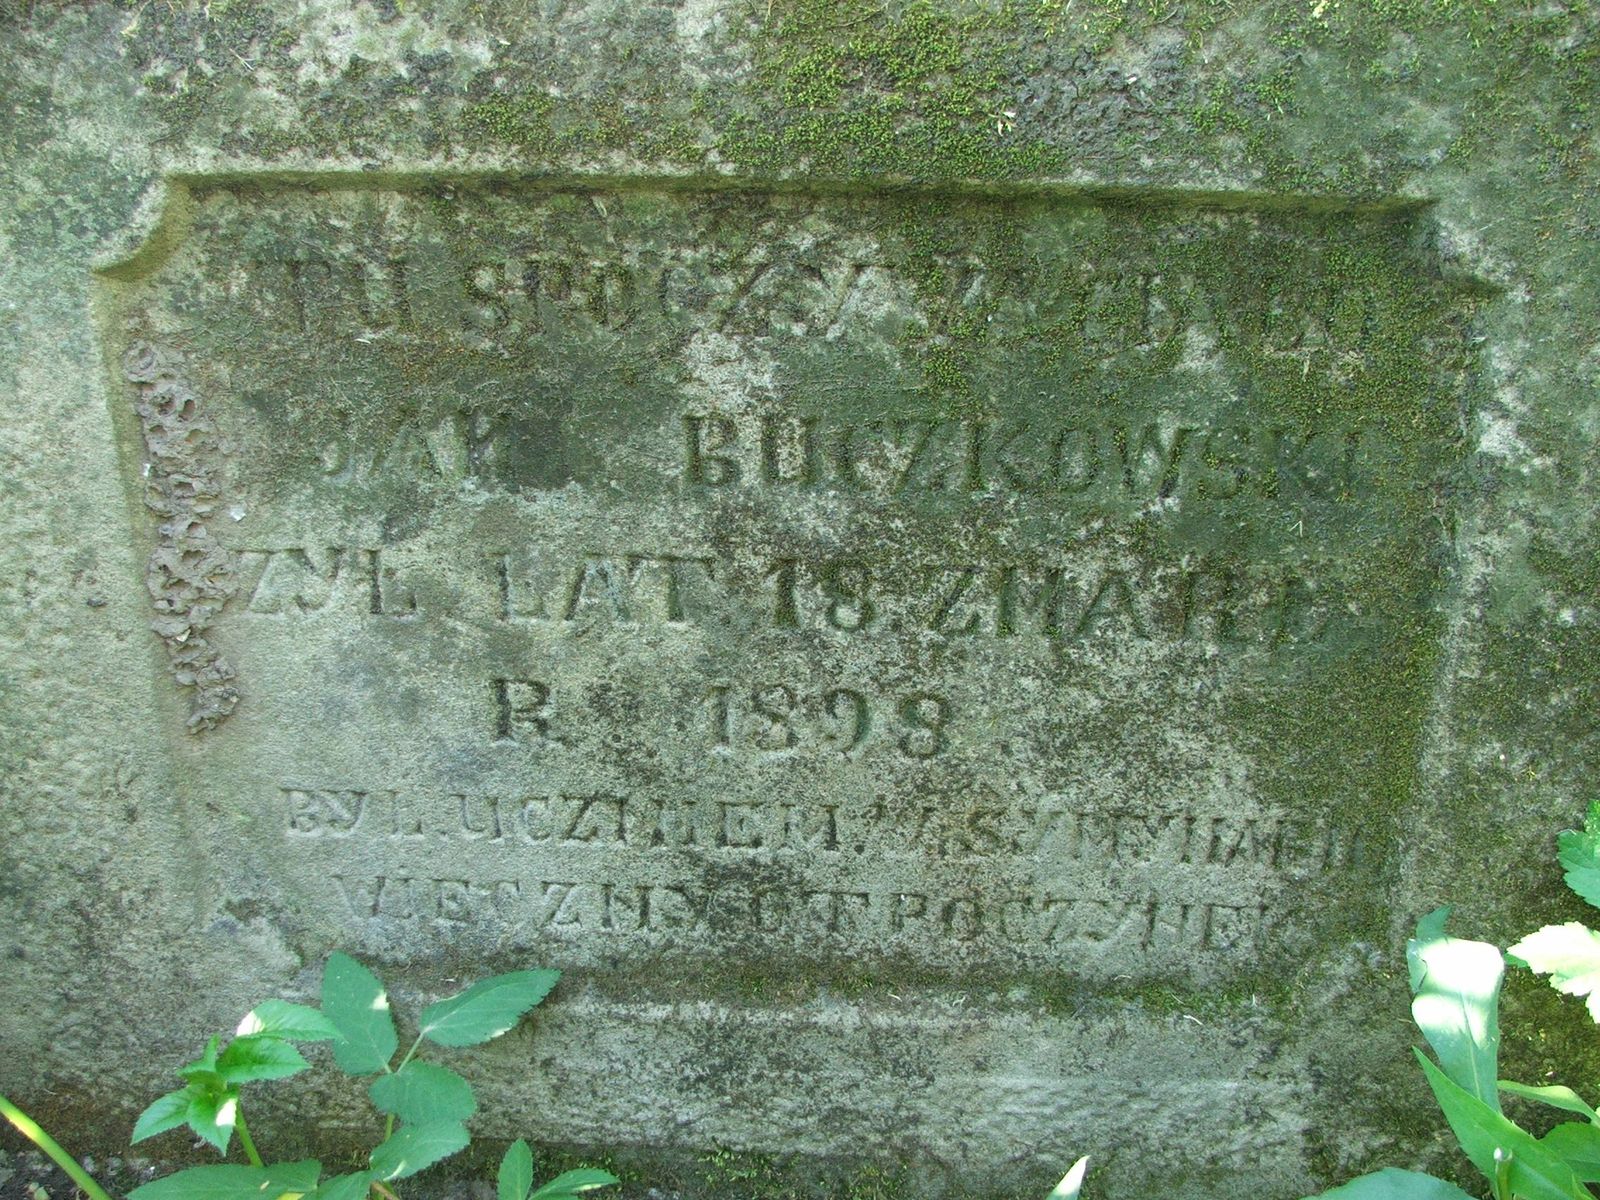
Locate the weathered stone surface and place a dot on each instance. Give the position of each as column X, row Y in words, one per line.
column 966, row 574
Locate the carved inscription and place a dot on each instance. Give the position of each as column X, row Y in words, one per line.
column 1026, row 583
column 801, row 278
column 1203, row 602
column 1050, row 830
column 1207, row 860
column 763, row 716
column 1072, row 464
column 774, row 716
column 1060, row 926
column 1033, row 458
column 300, row 580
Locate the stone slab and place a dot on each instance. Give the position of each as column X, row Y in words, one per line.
column 593, row 574
column 966, row 574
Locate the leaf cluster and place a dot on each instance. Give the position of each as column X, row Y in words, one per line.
column 1455, row 987
column 424, row 1106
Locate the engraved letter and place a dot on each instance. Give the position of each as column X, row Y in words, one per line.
column 521, row 708
column 705, row 434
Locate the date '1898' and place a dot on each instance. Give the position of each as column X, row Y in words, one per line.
column 763, row 716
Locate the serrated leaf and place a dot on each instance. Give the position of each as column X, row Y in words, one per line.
column 167, row 1112
column 1072, row 1182
column 1579, row 852
column 1456, row 1003
column 354, row 999
column 420, row 1092
column 1392, row 1183
column 343, row 1187
column 516, row 1172
column 570, row 1183
column 230, row 1181
column 206, row 1064
column 486, row 1009
column 294, row 1022
column 1577, row 1144
column 1555, row 1096
column 259, row 1057
column 212, row 1114
column 1535, row 1172
column 414, row 1147
column 1570, row 955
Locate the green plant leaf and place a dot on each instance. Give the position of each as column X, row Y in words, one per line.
column 570, row 1183
column 486, row 1009
column 516, row 1173
column 299, row 1176
column 1456, row 1003
column 1578, row 1145
column 1392, row 1183
column 1535, row 1172
column 230, row 1181
column 1072, row 1182
column 420, row 1092
column 1570, row 955
column 293, row 1022
column 1579, row 852
column 343, row 1187
column 168, row 1112
column 259, row 1057
column 354, row 1000
column 1555, row 1096
column 204, row 1066
column 414, row 1147
column 212, row 1114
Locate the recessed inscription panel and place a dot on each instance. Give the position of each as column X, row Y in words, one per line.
column 647, row 578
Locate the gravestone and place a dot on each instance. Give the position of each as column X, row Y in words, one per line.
column 587, row 573
column 966, row 577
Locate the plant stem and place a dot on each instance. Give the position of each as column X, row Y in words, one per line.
column 30, row 1130
column 387, row 1193
column 409, row 1053
column 245, row 1139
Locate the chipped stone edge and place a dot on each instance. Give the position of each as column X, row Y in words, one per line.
column 190, row 576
